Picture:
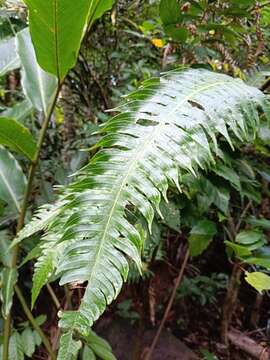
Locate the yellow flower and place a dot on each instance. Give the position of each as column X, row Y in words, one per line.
column 157, row 42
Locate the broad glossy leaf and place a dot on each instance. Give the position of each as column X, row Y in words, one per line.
column 258, row 280
column 261, row 257
column 17, row 137
column 248, row 237
column 246, row 247
column 201, row 236
column 69, row 347
column 170, row 12
column 9, row 59
column 12, row 180
column 240, row 250
column 39, row 86
column 9, row 277
column 57, row 28
column 99, row 346
column 88, row 354
column 177, row 33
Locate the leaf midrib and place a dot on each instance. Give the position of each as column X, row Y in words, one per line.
column 56, row 40
column 90, row 21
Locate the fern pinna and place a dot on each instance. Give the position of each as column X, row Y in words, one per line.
column 168, row 127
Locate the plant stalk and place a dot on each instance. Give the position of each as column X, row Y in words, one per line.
column 20, row 223
column 235, row 280
column 68, row 297
column 168, row 308
column 33, row 322
column 54, row 297
column 230, row 302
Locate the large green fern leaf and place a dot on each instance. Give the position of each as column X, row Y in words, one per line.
column 168, row 127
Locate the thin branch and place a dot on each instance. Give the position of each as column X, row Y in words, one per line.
column 56, row 337
column 68, row 297
column 168, row 308
column 32, row 320
column 54, row 297
column 229, row 304
column 242, row 216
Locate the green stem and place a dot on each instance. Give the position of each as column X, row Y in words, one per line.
column 27, row 193
column 54, row 297
column 68, row 297
column 168, row 307
column 33, row 322
column 6, row 334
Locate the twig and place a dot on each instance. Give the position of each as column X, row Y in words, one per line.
column 235, row 280
column 54, row 297
column 55, row 342
column 230, row 301
column 242, row 216
column 168, row 308
column 33, row 322
column 255, row 313
column 68, row 297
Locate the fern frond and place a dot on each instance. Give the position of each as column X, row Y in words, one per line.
column 40, row 220
column 166, row 128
